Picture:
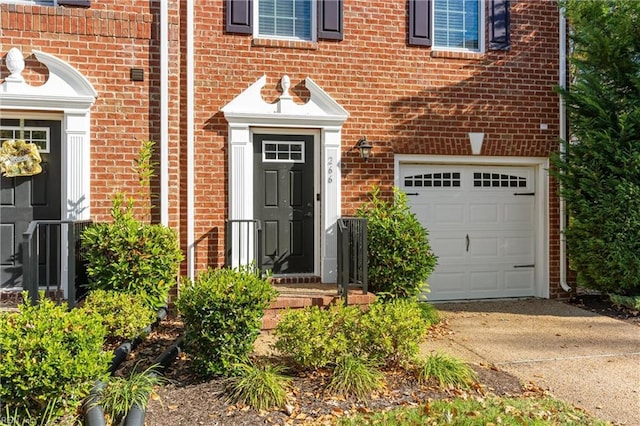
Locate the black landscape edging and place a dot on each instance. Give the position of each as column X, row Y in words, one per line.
column 93, row 412
column 135, row 416
column 122, row 351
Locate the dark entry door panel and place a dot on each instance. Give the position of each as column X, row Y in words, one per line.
column 284, row 201
column 27, row 198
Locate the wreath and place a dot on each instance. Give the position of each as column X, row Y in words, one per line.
column 19, row 158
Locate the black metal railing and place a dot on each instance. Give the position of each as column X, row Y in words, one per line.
column 353, row 256
column 242, row 243
column 42, row 259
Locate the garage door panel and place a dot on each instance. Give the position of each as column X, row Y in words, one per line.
column 519, row 247
column 448, row 249
column 487, row 280
column 483, row 247
column 517, row 279
column 447, row 282
column 483, row 213
column 449, row 214
column 519, row 214
column 478, row 229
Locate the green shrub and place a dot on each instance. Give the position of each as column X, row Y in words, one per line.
column 631, row 302
column 400, row 257
column 131, row 256
column 388, row 333
column 49, row 354
column 125, row 315
column 222, row 311
column 355, row 376
column 393, row 330
column 429, row 313
column 260, row 387
column 315, row 337
column 446, row 370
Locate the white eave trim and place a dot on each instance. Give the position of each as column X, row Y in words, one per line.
column 250, row 107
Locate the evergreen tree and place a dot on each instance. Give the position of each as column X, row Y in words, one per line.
column 600, row 171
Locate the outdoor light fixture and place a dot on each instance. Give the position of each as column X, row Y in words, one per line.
column 365, row 148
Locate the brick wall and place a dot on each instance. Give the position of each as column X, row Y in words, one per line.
column 103, row 43
column 405, row 99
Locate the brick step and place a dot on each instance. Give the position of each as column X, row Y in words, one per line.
column 300, row 296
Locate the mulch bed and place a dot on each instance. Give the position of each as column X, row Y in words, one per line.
column 189, row 400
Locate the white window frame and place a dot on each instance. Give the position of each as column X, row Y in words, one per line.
column 313, row 24
column 32, row 2
column 17, row 135
column 481, row 31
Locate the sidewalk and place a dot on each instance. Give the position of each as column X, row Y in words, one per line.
column 589, row 360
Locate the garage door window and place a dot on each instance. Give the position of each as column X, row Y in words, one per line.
column 497, row 180
column 433, row 180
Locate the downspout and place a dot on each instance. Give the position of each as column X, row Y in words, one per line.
column 563, row 137
column 190, row 143
column 164, row 113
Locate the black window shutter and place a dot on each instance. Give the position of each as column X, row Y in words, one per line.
column 77, row 3
column 420, row 22
column 330, row 19
column 499, row 25
column 239, row 16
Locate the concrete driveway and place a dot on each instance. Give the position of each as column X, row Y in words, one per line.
column 589, row 360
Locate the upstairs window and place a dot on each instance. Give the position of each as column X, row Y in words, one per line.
column 457, row 24
column 79, row 3
column 287, row 19
column 284, row 19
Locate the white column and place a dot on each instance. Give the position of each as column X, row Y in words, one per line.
column 76, row 180
column 331, row 201
column 241, row 192
column 76, row 166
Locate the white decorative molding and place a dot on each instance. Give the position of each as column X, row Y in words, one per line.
column 476, row 139
column 65, row 88
column 248, row 111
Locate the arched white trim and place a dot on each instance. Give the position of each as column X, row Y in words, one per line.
column 249, row 110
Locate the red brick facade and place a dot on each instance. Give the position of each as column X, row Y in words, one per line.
column 406, row 99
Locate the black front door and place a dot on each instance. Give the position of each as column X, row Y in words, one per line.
column 23, row 199
column 284, row 201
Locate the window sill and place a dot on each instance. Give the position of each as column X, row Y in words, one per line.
column 287, row 44
column 449, row 54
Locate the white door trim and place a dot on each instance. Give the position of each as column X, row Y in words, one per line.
column 321, row 115
column 540, row 166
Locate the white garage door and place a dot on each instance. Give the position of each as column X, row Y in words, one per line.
column 481, row 223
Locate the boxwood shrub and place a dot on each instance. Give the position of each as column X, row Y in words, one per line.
column 400, row 257
column 125, row 315
column 387, row 334
column 315, row 337
column 132, row 256
column 49, row 354
column 222, row 311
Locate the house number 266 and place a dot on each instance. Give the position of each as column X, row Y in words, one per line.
column 330, row 170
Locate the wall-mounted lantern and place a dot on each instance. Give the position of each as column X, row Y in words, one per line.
column 365, row 148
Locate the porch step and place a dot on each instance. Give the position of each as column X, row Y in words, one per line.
column 301, row 295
